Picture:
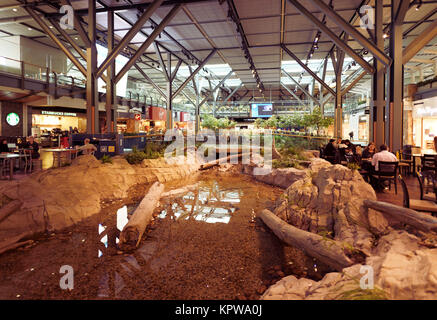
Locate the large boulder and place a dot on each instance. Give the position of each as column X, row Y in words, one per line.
column 402, row 269
column 329, row 201
column 57, row 198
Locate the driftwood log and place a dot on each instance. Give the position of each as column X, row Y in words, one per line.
column 7, row 209
column 217, row 162
column 180, row 191
column 133, row 231
column 326, row 250
column 411, row 217
column 14, row 242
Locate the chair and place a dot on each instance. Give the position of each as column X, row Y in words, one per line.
column 418, row 205
column 28, row 155
column 427, row 180
column 27, row 160
column 428, row 162
column 387, row 171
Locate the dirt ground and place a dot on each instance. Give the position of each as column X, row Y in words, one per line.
column 182, row 256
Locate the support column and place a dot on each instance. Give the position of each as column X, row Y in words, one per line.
column 92, row 96
column 394, row 108
column 111, row 125
column 376, row 122
column 338, row 130
column 197, row 111
column 169, row 94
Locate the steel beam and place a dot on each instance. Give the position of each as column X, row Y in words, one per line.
column 420, row 42
column 67, row 37
column 130, row 35
column 301, row 88
column 292, row 93
column 55, row 39
column 175, row 71
column 92, row 95
column 161, row 61
column 215, row 88
column 354, row 33
column 111, row 123
column 303, row 65
column 394, row 108
column 78, row 26
column 233, row 92
column 353, row 83
column 322, row 27
column 191, row 76
column 154, row 85
column 148, row 42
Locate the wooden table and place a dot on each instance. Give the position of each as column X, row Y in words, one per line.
column 10, row 157
column 57, row 152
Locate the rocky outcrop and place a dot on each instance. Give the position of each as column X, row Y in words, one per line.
column 57, row 198
column 329, row 202
column 402, row 269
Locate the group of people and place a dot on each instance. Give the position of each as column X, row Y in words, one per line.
column 340, row 150
column 30, row 143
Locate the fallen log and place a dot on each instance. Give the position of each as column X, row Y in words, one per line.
column 411, row 217
column 9, row 208
column 13, row 242
column 326, row 250
column 177, row 192
column 132, row 232
column 15, row 246
column 217, row 162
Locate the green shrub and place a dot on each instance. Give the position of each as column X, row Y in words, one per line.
column 106, row 159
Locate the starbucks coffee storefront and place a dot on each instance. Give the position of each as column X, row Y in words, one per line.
column 63, row 119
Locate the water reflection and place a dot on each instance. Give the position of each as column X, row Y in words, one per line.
column 209, row 203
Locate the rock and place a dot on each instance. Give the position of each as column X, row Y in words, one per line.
column 55, row 199
column 403, row 269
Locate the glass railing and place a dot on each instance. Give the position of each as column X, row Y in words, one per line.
column 34, row 72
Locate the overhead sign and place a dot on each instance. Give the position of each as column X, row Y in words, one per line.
column 262, row 110
column 58, row 113
column 13, row 119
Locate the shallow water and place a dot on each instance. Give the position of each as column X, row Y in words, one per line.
column 205, row 244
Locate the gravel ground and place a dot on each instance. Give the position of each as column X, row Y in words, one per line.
column 182, row 256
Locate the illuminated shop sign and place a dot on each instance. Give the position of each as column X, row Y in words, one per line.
column 58, row 113
column 13, row 119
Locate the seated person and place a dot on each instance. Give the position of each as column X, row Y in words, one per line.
column 369, row 151
column 383, row 155
column 4, row 146
column 330, row 149
column 32, row 144
column 87, row 148
column 20, row 143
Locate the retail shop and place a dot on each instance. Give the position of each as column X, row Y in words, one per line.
column 181, row 119
column 425, row 123
column 158, row 117
column 64, row 119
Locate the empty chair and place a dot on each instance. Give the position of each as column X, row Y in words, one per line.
column 427, row 182
column 418, row 205
column 388, row 171
column 428, row 162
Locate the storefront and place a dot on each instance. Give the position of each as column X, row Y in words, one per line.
column 46, row 120
column 181, row 119
column 131, row 122
column 158, row 117
column 425, row 123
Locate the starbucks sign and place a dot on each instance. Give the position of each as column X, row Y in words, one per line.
column 13, row 119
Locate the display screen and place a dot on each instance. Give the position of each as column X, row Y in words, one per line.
column 262, row 110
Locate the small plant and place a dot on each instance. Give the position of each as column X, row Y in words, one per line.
column 106, row 159
column 353, row 166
